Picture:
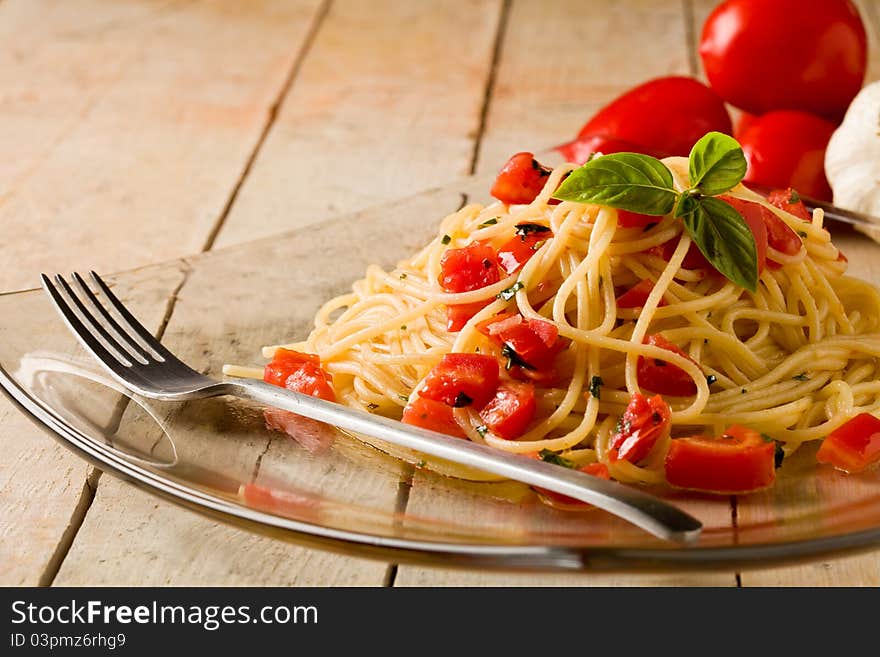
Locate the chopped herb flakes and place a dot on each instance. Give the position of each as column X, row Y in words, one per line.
column 549, row 456
column 513, row 358
column 794, row 198
column 510, row 292
column 403, row 275
column 596, row 386
column 524, row 230
column 445, row 239
column 482, row 430
column 372, row 407
column 490, row 222
column 462, row 400
column 403, row 398
column 711, row 379
column 803, row 233
column 801, row 377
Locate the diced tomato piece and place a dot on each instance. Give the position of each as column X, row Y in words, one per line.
column 509, row 412
column 740, row 461
column 534, row 342
column 283, row 364
column 462, row 380
column 311, row 379
column 519, row 249
column 637, row 295
column 757, row 217
column 659, row 376
column 642, row 424
column 626, row 219
column 459, row 314
column 498, row 324
column 788, row 200
column 432, row 415
column 693, row 259
column 470, row 268
column 301, row 373
column 595, row 469
column 854, row 446
column 520, row 180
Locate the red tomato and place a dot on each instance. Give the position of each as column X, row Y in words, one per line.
column 470, row 268
column 757, row 217
column 580, row 150
column 462, row 380
column 853, row 447
column 790, row 201
column 659, row 376
column 626, row 219
column 693, row 259
column 519, row 249
column 595, row 469
column 637, row 295
column 301, row 373
column 743, row 123
column 509, row 412
column 432, row 415
column 763, row 55
column 786, row 148
column 283, row 364
column 520, row 180
column 666, row 115
column 642, row 424
column 459, row 314
column 740, row 461
column 534, row 342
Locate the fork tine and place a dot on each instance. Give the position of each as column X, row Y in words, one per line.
column 86, row 339
column 134, row 325
column 125, row 340
column 93, row 326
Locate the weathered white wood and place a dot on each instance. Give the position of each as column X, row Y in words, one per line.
column 124, row 126
column 386, row 104
column 42, row 485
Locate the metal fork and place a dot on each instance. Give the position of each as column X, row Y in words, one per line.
column 142, row 364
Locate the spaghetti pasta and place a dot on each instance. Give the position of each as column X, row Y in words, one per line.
column 793, row 360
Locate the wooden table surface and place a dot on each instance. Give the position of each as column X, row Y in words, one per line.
column 136, row 131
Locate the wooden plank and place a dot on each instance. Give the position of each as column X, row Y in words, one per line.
column 562, row 60
column 387, row 103
column 43, row 488
column 124, row 123
column 542, row 96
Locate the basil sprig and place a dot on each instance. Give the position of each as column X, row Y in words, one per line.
column 643, row 184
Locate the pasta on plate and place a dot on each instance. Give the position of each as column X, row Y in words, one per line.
column 614, row 340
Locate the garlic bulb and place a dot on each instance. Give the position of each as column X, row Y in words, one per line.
column 852, row 160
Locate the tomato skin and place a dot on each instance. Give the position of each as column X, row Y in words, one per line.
column 432, row 415
column 786, row 148
column 472, row 267
column 666, row 115
column 757, row 217
column 535, row 341
column 783, row 199
column 659, row 376
column 299, row 372
column 511, row 410
column 637, row 295
column 763, row 55
column 518, row 250
column 582, row 149
column 741, row 461
column 643, row 423
column 627, row 219
column 854, row 446
column 475, row 376
column 459, row 314
column 520, row 180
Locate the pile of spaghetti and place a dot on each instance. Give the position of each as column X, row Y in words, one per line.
column 603, row 340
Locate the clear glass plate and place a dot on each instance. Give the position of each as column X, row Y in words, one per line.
column 331, row 490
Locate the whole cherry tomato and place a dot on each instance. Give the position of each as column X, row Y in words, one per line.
column 665, row 116
column 764, row 55
column 787, row 149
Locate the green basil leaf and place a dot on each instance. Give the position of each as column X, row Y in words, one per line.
column 626, row 181
column 716, row 164
column 724, row 237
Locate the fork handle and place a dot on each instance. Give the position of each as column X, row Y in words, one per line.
column 641, row 509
